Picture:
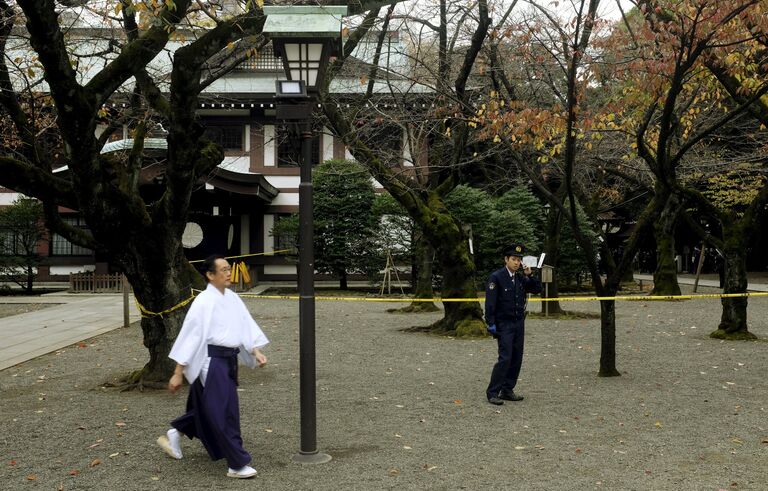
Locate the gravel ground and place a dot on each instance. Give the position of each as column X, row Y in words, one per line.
column 400, row 410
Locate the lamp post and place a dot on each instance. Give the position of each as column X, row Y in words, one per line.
column 305, row 37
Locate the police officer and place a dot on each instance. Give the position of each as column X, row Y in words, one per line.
column 505, row 299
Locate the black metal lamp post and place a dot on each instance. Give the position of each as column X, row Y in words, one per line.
column 305, row 37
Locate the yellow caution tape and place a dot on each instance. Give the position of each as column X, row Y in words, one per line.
column 477, row 299
column 148, row 313
column 270, row 253
column 532, row 299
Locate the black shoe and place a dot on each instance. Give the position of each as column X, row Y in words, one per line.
column 510, row 396
column 495, row 401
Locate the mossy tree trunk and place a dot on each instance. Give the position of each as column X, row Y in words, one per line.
column 733, row 320
column 451, row 246
column 441, row 149
column 421, row 275
column 665, row 275
column 462, row 318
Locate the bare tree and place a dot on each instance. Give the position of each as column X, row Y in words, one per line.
column 438, row 133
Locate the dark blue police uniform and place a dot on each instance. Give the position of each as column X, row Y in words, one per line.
column 505, row 299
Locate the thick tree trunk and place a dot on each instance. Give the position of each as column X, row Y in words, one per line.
column 421, row 270
column 733, row 321
column 463, row 319
column 608, row 338
column 665, row 276
column 159, row 334
column 343, row 280
column 165, row 290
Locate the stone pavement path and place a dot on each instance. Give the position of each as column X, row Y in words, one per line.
column 29, row 335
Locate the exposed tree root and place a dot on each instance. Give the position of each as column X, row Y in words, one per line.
column 415, row 308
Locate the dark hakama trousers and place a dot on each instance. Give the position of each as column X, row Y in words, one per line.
column 511, row 339
column 213, row 410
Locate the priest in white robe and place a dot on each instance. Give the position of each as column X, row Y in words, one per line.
column 217, row 330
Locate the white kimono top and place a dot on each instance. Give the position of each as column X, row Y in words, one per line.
column 219, row 319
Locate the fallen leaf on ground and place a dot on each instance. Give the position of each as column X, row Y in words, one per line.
column 95, row 462
column 13, row 462
column 119, row 424
column 31, row 477
column 74, row 472
column 457, row 401
column 393, row 472
column 429, row 468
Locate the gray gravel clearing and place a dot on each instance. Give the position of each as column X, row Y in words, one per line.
column 408, row 411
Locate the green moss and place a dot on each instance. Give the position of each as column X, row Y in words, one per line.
column 740, row 335
column 470, row 328
column 417, row 307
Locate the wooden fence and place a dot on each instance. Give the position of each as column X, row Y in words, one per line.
column 95, row 283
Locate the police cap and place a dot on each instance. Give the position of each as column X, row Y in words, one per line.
column 514, row 250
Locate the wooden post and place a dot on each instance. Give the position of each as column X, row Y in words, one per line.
column 698, row 268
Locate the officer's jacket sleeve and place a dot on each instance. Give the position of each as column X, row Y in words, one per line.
column 492, row 289
column 531, row 284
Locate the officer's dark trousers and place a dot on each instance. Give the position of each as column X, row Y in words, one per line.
column 213, row 411
column 511, row 338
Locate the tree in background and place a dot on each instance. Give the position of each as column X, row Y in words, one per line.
column 81, row 72
column 397, row 236
column 344, row 225
column 495, row 223
column 438, row 135
column 21, row 230
column 697, row 80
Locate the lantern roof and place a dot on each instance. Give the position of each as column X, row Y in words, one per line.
column 304, row 21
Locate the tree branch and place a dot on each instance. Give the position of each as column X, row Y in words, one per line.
column 35, row 182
